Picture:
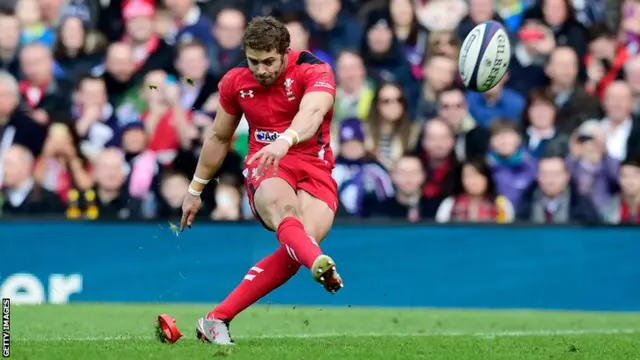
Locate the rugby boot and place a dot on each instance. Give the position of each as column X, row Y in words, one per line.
column 324, row 272
column 214, row 331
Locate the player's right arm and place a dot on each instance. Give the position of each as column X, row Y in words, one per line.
column 214, row 149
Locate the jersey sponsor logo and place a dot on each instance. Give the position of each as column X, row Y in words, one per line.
column 246, row 94
column 324, row 84
column 265, row 136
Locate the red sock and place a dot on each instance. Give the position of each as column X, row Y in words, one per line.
column 300, row 246
column 266, row 276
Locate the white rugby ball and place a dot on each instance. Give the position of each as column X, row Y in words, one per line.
column 484, row 56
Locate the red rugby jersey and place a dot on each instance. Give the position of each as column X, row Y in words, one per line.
column 269, row 110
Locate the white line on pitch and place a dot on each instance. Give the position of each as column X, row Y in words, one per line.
column 485, row 335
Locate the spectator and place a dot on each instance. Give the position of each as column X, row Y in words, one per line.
column 632, row 77
column 625, row 207
column 439, row 15
column 499, row 102
column 474, row 197
column 43, row 94
column 355, row 93
column 553, row 199
column 605, row 60
column 95, row 121
column 629, row 25
column 532, row 48
column 411, row 36
column 225, row 50
column 443, row 43
column 16, row 127
column 540, row 123
column 118, row 73
column 362, row 181
column 622, row 132
column 574, row 104
column 192, row 63
column 480, row 11
column 331, row 29
column 111, row 196
column 593, row 171
column 77, row 49
column 150, row 52
column 228, row 200
column 168, row 124
column 409, row 203
column 173, row 186
column 62, row 166
column 512, row 167
column 559, row 17
column 437, row 155
column 471, row 140
column 383, row 55
column 390, row 128
column 32, row 27
column 300, row 37
column 20, row 194
column 189, row 21
column 439, row 72
column 9, row 43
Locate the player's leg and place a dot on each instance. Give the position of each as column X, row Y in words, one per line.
column 317, row 218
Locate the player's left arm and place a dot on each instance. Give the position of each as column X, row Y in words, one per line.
column 317, row 101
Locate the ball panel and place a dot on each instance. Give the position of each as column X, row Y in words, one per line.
column 494, row 62
column 468, row 55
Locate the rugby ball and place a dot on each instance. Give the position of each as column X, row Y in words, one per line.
column 484, row 56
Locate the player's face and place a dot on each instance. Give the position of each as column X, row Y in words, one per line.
column 266, row 66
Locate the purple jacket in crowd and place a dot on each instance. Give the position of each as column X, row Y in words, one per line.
column 512, row 175
column 599, row 182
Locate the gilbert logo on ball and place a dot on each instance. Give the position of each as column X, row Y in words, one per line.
column 484, row 56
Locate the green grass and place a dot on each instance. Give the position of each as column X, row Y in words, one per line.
column 126, row 332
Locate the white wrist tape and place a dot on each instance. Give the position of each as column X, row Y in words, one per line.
column 194, row 192
column 287, row 139
column 296, row 138
column 200, row 180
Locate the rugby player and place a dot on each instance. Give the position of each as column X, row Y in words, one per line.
column 287, row 98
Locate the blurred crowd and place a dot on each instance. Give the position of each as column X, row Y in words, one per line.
column 104, row 106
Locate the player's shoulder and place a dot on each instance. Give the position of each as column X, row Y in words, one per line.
column 304, row 58
column 236, row 75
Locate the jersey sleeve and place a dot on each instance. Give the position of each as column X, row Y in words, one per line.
column 319, row 77
column 227, row 92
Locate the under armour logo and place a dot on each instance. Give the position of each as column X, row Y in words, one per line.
column 246, row 94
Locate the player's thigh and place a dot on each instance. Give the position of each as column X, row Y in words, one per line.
column 316, row 215
column 274, row 200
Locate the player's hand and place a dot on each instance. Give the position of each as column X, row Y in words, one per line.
column 270, row 154
column 190, row 207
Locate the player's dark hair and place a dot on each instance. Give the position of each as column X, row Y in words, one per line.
column 265, row 33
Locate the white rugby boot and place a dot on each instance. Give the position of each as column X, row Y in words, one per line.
column 214, row 331
column 324, row 272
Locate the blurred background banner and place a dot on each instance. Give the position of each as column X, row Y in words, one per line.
column 572, row 268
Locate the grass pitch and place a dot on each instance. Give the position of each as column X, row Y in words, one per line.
column 126, row 332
